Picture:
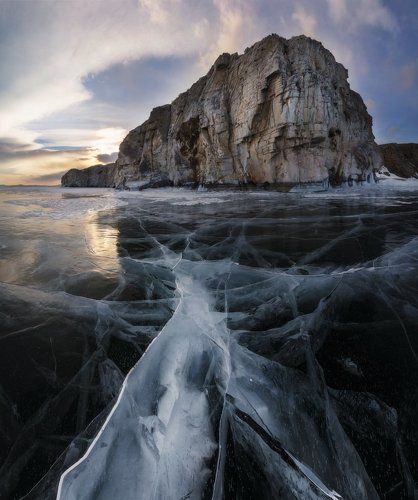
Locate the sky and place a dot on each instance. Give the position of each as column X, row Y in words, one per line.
column 77, row 75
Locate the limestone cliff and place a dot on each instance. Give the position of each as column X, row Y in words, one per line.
column 95, row 176
column 401, row 159
column 281, row 113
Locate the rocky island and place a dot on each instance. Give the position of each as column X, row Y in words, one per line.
column 280, row 114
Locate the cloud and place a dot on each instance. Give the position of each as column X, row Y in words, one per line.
column 338, row 10
column 13, row 150
column 52, row 49
column 51, row 46
column 101, row 141
column 409, row 74
column 106, row 158
column 11, row 146
column 21, row 163
column 159, row 12
column 353, row 14
column 54, row 178
column 236, row 26
column 305, row 20
column 25, row 160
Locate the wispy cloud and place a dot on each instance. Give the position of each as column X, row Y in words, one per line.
column 353, row 14
column 22, row 164
column 51, row 46
column 236, row 26
column 47, row 179
column 305, row 20
column 409, row 75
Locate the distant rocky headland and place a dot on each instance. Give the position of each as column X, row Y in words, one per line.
column 401, row 159
column 280, row 114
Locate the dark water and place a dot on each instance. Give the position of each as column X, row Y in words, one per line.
column 281, row 339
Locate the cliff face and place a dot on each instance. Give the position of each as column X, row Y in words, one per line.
column 280, row 113
column 95, row 176
column 401, row 159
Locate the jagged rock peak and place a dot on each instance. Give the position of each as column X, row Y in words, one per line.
column 280, row 113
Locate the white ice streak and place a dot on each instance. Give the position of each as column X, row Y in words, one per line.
column 333, row 495
column 158, row 439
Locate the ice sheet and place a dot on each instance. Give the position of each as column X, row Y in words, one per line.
column 187, row 345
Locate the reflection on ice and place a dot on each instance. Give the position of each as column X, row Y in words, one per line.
column 187, row 345
column 102, row 240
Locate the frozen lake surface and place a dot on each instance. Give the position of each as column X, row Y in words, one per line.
column 176, row 344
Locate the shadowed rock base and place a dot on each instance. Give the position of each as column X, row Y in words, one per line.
column 401, row 159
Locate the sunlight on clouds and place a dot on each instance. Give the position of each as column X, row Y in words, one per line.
column 103, row 140
column 108, row 139
column 25, row 164
column 54, row 45
column 39, row 166
column 158, row 11
column 26, row 105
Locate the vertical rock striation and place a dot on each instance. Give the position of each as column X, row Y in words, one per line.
column 281, row 113
column 401, row 159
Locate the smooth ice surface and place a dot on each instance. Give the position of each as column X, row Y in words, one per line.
column 173, row 344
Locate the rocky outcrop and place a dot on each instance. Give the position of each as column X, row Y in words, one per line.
column 95, row 176
column 401, row 159
column 281, row 113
